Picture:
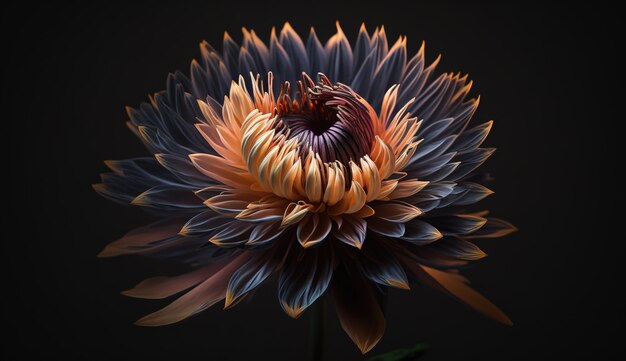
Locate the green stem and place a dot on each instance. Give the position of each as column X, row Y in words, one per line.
column 317, row 330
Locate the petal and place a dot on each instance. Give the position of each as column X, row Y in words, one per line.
column 352, row 231
column 396, row 211
column 182, row 168
column 456, row 286
column 229, row 202
column 335, row 187
column 390, row 69
column 407, row 188
column 381, row 266
column 203, row 223
column 467, row 193
column 386, row 228
column 493, row 228
column 265, row 210
column 358, row 309
column 361, row 47
column 420, row 232
column 470, row 161
column 249, row 276
column 280, row 62
column 217, row 168
column 231, row 52
column 458, row 248
column 304, row 277
column 339, row 57
column 294, row 47
column 233, row 234
column 162, row 287
column 144, row 239
column 316, row 53
column 457, row 224
column 313, row 229
column 170, row 198
column 295, row 212
column 203, row 296
column 264, row 233
column 352, row 201
column 313, row 182
column 472, row 138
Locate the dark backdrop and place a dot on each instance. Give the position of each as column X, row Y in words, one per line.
column 546, row 75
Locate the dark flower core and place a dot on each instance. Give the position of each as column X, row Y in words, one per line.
column 329, row 119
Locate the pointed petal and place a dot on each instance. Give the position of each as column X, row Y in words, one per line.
column 203, row 223
column 472, row 138
column 233, row 234
column 381, row 266
column 295, row 212
column 456, row 286
column 168, row 197
column 457, row 224
column 358, row 309
column 219, row 170
column 352, row 231
column 294, row 47
column 264, row 233
column 144, row 239
column 407, row 188
column 303, row 278
column 339, row 57
column 493, row 228
column 386, row 228
column 316, row 53
column 249, row 276
column 203, row 296
column 313, row 229
column 399, row 212
column 162, row 287
column 420, row 232
column 458, row 248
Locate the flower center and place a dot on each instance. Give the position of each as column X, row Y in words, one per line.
column 330, row 119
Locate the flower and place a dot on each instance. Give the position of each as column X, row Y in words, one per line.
column 351, row 183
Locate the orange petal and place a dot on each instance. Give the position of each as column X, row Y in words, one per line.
column 371, row 178
column 352, row 201
column 407, row 188
column 140, row 239
column 313, row 181
column 295, row 212
column 203, row 296
column 227, row 203
column 217, row 169
column 358, row 310
column 399, row 212
column 386, row 188
column 457, row 286
column 335, row 187
column 162, row 287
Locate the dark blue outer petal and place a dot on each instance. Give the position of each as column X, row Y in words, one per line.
column 304, row 277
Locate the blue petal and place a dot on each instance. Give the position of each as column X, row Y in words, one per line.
column 303, row 278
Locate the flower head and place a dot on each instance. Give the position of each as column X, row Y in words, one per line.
column 352, row 182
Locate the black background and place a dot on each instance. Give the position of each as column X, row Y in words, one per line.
column 546, row 76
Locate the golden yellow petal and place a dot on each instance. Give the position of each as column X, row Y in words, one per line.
column 295, row 212
column 407, row 188
column 313, row 181
column 336, row 184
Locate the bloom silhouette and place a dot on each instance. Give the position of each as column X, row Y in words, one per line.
column 327, row 167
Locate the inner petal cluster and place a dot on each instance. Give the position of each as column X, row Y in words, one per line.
column 331, row 120
column 327, row 151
